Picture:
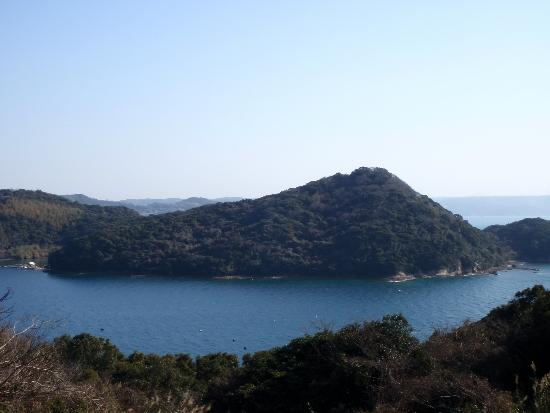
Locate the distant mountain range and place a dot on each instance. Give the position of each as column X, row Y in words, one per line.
column 150, row 206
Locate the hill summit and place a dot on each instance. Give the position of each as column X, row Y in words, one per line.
column 367, row 223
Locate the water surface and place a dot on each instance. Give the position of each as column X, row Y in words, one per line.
column 170, row 314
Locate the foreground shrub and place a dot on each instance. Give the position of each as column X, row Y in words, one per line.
column 34, row 379
column 339, row 371
column 89, row 352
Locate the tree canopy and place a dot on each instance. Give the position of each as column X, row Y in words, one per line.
column 368, row 223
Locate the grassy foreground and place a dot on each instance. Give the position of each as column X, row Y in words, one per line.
column 497, row 365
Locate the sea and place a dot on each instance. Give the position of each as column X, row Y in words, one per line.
column 200, row 316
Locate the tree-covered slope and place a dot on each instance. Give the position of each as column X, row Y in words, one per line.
column 33, row 223
column 368, row 223
column 529, row 238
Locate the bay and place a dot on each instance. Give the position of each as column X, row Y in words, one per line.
column 200, row 316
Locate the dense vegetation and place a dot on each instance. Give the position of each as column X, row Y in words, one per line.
column 368, row 223
column 33, row 223
column 528, row 238
column 500, row 364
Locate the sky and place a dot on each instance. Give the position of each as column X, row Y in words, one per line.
column 124, row 99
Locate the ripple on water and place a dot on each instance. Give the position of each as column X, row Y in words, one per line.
column 167, row 314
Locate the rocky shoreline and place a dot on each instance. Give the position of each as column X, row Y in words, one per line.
column 30, row 265
column 445, row 273
column 247, row 277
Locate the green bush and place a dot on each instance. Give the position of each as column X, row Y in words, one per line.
column 89, row 352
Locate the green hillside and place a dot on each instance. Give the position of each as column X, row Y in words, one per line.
column 368, row 223
column 34, row 223
column 529, row 238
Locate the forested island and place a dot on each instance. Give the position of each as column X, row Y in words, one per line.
column 368, row 223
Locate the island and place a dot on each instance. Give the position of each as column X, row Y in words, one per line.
column 365, row 224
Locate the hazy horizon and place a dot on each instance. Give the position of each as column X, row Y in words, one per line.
column 176, row 196
column 137, row 99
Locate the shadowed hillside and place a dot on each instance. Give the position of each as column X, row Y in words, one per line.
column 368, row 223
column 529, row 238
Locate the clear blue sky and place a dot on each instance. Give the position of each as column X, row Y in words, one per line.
column 121, row 99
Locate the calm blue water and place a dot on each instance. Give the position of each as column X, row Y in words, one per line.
column 162, row 314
